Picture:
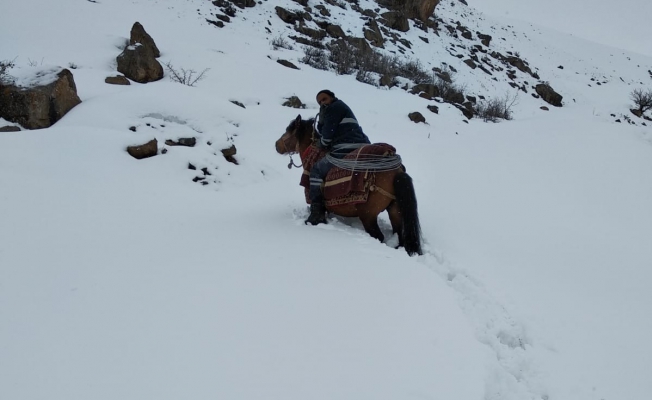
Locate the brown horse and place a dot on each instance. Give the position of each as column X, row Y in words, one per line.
column 395, row 194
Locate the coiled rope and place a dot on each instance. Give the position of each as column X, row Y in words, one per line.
column 363, row 162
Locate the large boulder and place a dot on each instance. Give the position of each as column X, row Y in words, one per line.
column 37, row 107
column 548, row 94
column 138, row 35
column 138, row 63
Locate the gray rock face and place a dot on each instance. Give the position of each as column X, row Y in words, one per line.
column 39, row 106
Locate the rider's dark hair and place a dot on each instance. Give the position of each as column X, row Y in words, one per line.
column 328, row 92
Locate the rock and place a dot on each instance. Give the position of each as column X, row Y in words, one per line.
column 426, row 90
column 388, row 80
column 395, row 20
column 149, row 149
column 638, row 113
column 434, row 109
column 117, row 80
column 138, row 35
column 39, row 107
column 229, row 154
column 485, row 39
column 373, row 34
column 286, row 63
column 288, row 17
column 360, row 44
column 237, row 103
column 335, row 31
column 416, row 117
column 244, row 3
column 549, row 95
column 544, row 108
column 315, row 34
column 10, row 128
column 470, row 63
column 294, row 102
column 138, row 63
column 412, row 9
column 187, row 142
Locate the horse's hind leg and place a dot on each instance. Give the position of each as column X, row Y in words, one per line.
column 396, row 219
column 370, row 223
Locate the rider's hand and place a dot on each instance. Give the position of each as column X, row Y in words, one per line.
column 321, row 145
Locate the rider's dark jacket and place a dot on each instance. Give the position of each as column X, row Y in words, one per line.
column 337, row 125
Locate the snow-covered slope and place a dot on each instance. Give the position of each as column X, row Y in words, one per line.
column 125, row 279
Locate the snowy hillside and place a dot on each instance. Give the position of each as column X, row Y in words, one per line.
column 143, row 279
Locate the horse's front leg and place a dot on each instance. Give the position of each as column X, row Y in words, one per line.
column 370, row 223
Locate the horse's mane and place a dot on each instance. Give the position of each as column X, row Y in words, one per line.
column 304, row 129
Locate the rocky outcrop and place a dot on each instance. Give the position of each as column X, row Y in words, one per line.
column 39, row 107
column 549, row 95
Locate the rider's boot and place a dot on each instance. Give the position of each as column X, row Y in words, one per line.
column 317, row 213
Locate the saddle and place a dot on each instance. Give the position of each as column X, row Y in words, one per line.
column 342, row 186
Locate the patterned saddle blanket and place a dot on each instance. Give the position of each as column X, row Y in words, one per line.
column 343, row 186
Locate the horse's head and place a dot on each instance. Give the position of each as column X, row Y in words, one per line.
column 297, row 137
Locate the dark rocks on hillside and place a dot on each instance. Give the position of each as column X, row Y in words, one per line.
column 434, row 109
column 335, row 31
column 219, row 24
column 395, row 20
column 244, row 3
column 138, row 35
column 416, row 117
column 544, row 108
column 149, row 149
column 138, row 63
column 412, row 9
column 426, row 90
column 286, row 63
column 229, row 154
column 323, row 10
column 373, row 35
column 314, row 34
column 388, row 80
column 470, row 63
column 638, row 113
column 10, row 128
column 485, row 39
column 549, row 95
column 360, row 44
column 237, row 103
column 288, row 17
column 39, row 106
column 117, row 80
column 187, row 142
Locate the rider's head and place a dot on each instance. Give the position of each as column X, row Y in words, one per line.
column 325, row 97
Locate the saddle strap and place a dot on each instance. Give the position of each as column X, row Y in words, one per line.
column 382, row 191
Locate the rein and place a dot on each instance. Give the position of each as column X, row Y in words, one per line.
column 303, row 154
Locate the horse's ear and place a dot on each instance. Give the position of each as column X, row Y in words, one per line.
column 297, row 121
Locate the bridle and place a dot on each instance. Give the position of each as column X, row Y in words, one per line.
column 296, row 148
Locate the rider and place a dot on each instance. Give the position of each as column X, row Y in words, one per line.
column 338, row 127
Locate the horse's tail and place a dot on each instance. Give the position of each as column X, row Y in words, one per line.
column 407, row 205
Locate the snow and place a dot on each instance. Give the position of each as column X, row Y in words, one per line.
column 123, row 278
